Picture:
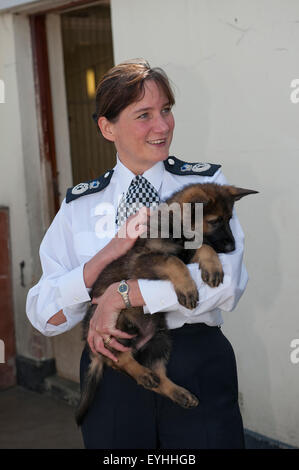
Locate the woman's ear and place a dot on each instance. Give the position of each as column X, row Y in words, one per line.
column 106, row 128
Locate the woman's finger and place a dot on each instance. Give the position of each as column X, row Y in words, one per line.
column 120, row 334
column 90, row 341
column 136, row 225
column 100, row 348
column 140, row 229
column 109, row 354
column 130, row 228
column 118, row 346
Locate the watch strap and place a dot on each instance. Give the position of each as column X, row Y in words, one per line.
column 124, row 293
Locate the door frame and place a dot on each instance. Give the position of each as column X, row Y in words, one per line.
column 7, row 321
column 51, row 100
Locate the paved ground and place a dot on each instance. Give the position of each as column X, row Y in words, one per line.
column 29, row 420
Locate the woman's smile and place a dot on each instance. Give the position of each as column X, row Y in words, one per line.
column 159, row 142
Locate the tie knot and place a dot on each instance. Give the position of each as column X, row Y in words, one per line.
column 137, row 180
column 140, row 193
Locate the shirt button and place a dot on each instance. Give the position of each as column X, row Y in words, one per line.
column 171, row 161
column 106, row 174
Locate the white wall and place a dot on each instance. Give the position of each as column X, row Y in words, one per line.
column 21, row 187
column 59, row 104
column 232, row 63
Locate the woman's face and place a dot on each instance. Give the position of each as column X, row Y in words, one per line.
column 143, row 131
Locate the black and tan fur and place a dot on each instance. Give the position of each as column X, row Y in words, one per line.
column 163, row 258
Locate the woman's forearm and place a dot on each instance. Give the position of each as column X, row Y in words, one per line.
column 95, row 266
column 117, row 247
column 135, row 295
column 115, row 299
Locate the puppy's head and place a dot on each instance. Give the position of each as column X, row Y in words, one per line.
column 218, row 202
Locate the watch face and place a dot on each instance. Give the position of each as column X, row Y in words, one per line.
column 123, row 288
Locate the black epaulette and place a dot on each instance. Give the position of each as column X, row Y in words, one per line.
column 90, row 187
column 179, row 167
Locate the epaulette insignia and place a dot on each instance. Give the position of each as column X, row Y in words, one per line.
column 179, row 167
column 90, row 187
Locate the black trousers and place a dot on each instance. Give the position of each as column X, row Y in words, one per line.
column 124, row 415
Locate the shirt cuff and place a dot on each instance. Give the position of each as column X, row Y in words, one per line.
column 53, row 330
column 158, row 295
column 72, row 287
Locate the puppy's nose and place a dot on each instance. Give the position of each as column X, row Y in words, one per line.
column 230, row 246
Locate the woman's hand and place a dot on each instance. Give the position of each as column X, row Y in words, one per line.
column 102, row 325
column 123, row 241
column 128, row 233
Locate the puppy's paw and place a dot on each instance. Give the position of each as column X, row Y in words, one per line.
column 184, row 398
column 212, row 274
column 188, row 295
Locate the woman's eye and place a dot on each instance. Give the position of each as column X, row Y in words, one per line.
column 143, row 116
column 166, row 110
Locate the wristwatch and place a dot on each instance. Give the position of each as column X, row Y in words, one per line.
column 123, row 289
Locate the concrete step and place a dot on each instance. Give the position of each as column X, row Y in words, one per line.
column 63, row 389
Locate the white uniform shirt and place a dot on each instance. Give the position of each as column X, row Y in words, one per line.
column 72, row 240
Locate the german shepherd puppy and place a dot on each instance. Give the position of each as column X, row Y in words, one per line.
column 163, row 258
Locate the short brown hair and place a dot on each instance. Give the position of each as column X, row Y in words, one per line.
column 124, row 84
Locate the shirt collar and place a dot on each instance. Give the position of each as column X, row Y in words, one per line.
column 124, row 176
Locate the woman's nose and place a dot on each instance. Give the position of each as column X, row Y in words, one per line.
column 161, row 125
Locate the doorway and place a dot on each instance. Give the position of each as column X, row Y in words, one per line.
column 88, row 54
column 7, row 331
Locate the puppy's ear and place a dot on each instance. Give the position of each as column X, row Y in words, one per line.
column 238, row 193
column 197, row 194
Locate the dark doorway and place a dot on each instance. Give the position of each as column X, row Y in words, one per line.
column 88, row 54
column 7, row 331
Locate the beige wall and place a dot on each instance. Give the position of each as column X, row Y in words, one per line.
column 232, row 63
column 21, row 186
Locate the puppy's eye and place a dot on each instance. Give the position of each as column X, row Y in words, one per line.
column 215, row 222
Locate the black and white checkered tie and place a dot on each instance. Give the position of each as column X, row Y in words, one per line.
column 140, row 193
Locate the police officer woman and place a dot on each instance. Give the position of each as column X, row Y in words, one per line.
column 134, row 111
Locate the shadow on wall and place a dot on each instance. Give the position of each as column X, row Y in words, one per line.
column 253, row 326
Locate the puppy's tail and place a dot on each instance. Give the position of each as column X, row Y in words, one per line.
column 92, row 377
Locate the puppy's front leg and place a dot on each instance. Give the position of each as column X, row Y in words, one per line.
column 210, row 265
column 158, row 266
